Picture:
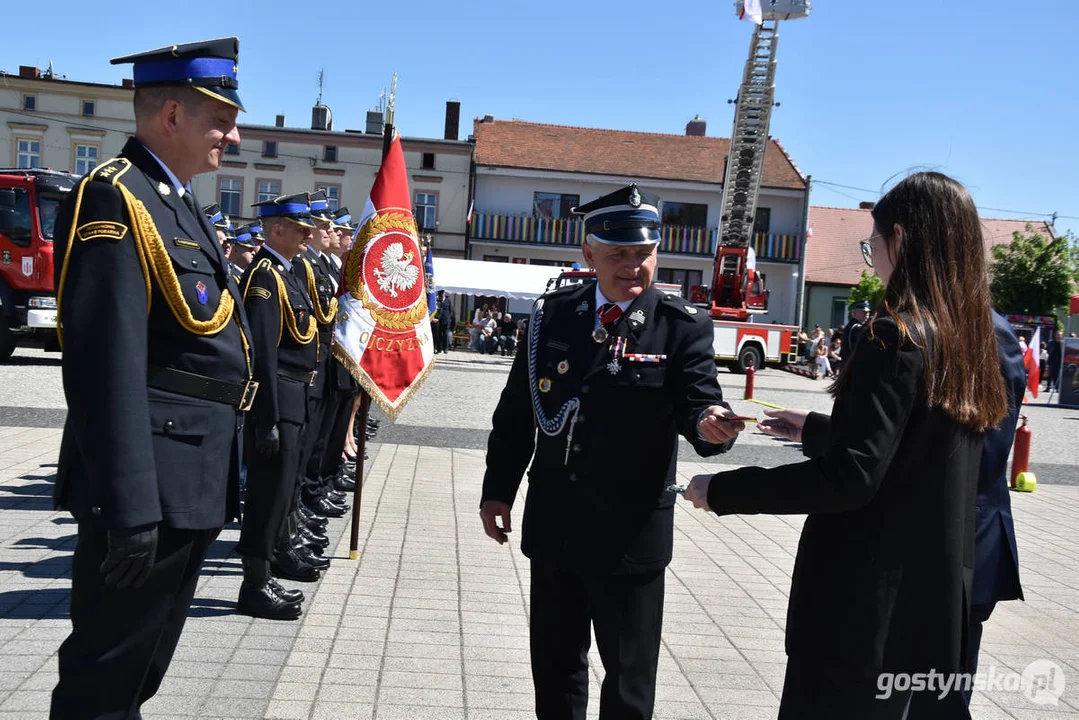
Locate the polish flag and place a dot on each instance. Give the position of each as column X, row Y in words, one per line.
column 1031, row 360
column 751, row 10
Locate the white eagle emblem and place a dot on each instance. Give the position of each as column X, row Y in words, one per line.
column 397, row 269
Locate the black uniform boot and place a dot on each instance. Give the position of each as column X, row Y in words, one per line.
column 259, row 598
column 287, row 565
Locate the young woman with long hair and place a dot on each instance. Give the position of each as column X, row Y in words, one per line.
column 882, row 578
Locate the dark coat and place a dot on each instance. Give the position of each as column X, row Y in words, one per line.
column 314, row 272
column 605, row 509
column 851, row 334
column 277, row 349
column 134, row 455
column 882, row 579
column 996, row 564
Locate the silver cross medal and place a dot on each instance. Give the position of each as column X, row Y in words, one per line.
column 614, row 367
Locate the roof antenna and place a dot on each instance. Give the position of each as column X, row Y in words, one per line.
column 321, row 75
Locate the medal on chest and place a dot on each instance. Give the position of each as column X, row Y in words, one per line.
column 618, row 348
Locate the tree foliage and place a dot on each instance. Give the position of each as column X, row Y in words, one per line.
column 1033, row 274
column 869, row 288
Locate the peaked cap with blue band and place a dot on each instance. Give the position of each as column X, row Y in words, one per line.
column 625, row 217
column 343, row 219
column 255, row 228
column 215, row 216
column 290, row 207
column 245, row 236
column 208, row 66
column 320, row 206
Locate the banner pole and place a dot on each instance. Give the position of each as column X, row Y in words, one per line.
column 365, row 397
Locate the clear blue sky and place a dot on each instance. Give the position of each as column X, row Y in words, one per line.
column 985, row 91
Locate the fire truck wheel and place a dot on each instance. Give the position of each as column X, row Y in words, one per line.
column 7, row 342
column 748, row 354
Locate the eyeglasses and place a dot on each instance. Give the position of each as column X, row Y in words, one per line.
column 867, row 251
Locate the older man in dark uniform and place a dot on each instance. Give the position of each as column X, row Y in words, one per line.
column 611, row 372
column 285, row 342
column 859, row 313
column 157, row 372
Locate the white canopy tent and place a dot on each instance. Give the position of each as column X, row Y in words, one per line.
column 495, row 279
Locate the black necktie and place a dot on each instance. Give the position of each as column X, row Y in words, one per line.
column 189, row 199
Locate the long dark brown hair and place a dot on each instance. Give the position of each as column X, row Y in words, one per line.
column 940, row 283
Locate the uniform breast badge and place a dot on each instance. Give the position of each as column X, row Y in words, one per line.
column 563, row 367
column 164, row 188
column 544, row 385
column 637, row 317
column 200, row 292
column 582, row 308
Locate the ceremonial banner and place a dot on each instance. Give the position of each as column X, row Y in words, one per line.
column 429, row 279
column 383, row 333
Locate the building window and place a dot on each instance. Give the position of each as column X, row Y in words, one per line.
column 89, row 108
column 268, row 190
column 550, row 206
column 269, row 149
column 333, row 195
column 686, row 278
column 29, row 102
column 230, row 195
column 762, row 220
column 839, row 312
column 428, row 161
column 329, row 153
column 28, row 154
column 426, row 210
column 232, row 149
column 85, row 158
column 685, row 214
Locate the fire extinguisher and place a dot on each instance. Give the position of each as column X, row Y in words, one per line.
column 1021, row 453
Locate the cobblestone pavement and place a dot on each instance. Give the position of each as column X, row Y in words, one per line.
column 431, row 620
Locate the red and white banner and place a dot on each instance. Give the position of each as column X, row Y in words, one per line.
column 1031, row 360
column 383, row 333
column 751, row 10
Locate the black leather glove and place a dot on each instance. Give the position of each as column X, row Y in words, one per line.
column 131, row 556
column 267, row 440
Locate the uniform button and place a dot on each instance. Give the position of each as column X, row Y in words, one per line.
column 580, row 418
column 169, row 425
column 576, row 447
column 95, row 510
column 194, row 263
column 573, row 477
column 584, row 389
column 636, row 376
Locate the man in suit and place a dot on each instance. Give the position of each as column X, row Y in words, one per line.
column 1052, row 364
column 608, row 366
column 996, row 559
column 157, row 373
column 285, row 343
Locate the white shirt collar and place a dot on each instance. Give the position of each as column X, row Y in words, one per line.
column 279, row 256
column 176, row 184
column 601, row 300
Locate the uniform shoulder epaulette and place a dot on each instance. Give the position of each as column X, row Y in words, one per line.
column 111, row 171
column 683, row 306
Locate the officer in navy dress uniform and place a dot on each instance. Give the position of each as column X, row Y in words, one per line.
column 331, row 470
column 244, row 246
column 859, row 313
column 285, row 342
column 221, row 222
column 157, row 372
column 312, row 265
column 614, row 371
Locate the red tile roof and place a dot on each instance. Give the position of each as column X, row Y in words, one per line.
column 832, row 254
column 513, row 143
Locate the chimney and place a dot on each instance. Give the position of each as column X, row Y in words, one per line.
column 695, row 127
column 866, row 205
column 279, row 121
column 488, row 118
column 374, row 122
column 453, row 119
column 29, row 72
column 321, row 118
column 128, row 83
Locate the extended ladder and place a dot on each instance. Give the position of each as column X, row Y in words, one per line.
column 749, row 139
